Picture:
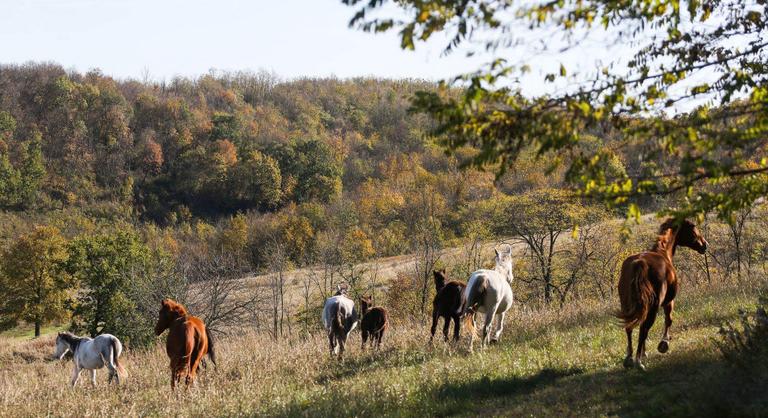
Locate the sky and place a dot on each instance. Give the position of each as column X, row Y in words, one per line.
column 161, row 39
column 156, row 40
column 166, row 38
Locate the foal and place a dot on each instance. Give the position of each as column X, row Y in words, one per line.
column 448, row 303
column 91, row 354
column 374, row 321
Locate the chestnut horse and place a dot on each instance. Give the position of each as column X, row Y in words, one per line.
column 649, row 281
column 188, row 341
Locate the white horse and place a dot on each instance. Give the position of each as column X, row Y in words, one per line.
column 490, row 292
column 91, row 354
column 339, row 319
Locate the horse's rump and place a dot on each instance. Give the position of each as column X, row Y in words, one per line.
column 635, row 292
column 476, row 293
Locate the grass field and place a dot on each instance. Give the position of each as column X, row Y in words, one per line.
column 550, row 363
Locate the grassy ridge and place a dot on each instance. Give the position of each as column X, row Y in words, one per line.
column 559, row 362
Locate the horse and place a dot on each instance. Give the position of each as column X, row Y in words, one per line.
column 490, row 291
column 339, row 319
column 448, row 304
column 374, row 322
column 188, row 341
column 91, row 354
column 648, row 280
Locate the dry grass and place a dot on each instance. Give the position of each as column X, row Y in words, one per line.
column 551, row 362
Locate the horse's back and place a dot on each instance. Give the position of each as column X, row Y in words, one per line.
column 187, row 336
column 449, row 300
column 496, row 289
column 333, row 305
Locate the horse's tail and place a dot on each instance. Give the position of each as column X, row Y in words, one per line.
column 475, row 295
column 211, row 348
column 116, row 349
column 337, row 324
column 636, row 294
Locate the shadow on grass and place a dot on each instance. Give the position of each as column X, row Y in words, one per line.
column 486, row 387
column 372, row 360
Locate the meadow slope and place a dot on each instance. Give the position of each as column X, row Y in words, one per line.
column 563, row 362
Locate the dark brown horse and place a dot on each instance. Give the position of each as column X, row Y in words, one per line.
column 448, row 303
column 649, row 281
column 374, row 321
column 188, row 341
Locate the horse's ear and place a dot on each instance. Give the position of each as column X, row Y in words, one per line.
column 495, row 250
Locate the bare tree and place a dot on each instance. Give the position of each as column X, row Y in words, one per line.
column 218, row 291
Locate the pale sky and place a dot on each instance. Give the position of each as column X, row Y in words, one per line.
column 291, row 38
column 188, row 37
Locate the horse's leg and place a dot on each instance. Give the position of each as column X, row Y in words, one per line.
column 446, row 326
column 365, row 339
column 489, row 316
column 93, row 377
column 664, row 344
column 497, row 334
column 473, row 333
column 378, row 340
column 434, row 325
column 75, row 375
column 456, row 327
column 332, row 342
column 628, row 362
column 112, row 368
column 342, row 340
column 644, row 328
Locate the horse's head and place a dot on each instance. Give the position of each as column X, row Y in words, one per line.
column 340, row 290
column 688, row 235
column 169, row 312
column 366, row 302
column 62, row 345
column 504, row 263
column 440, row 279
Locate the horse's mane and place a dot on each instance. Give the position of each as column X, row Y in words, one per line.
column 71, row 339
column 661, row 242
column 174, row 308
column 670, row 223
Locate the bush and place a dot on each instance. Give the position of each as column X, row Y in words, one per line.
column 747, row 345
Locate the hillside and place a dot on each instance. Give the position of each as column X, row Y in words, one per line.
column 550, row 363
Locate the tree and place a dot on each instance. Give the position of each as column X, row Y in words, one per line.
column 539, row 218
column 110, row 266
column 709, row 56
column 33, row 287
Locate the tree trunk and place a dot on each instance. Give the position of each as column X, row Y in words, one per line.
column 37, row 328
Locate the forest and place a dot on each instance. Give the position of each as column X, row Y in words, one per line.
column 124, row 191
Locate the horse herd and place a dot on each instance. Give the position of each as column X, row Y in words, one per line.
column 648, row 282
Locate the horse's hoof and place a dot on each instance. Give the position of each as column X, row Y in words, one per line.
column 494, row 341
column 663, row 346
column 628, row 362
column 640, row 366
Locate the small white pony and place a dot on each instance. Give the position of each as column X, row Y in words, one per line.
column 490, row 291
column 91, row 354
column 339, row 319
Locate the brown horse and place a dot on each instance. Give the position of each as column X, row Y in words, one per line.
column 374, row 322
column 188, row 341
column 648, row 280
column 448, row 303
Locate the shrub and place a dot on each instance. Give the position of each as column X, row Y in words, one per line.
column 747, row 344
